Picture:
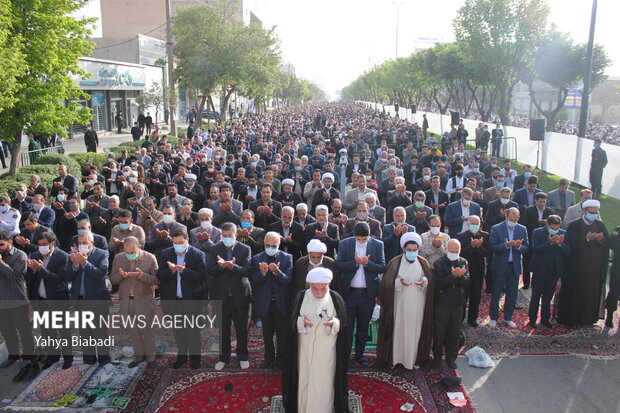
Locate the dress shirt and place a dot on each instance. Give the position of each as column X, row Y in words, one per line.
column 180, row 261
column 530, row 198
column 42, row 291
column 359, row 280
column 465, row 213
column 511, row 234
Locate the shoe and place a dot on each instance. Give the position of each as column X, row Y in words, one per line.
column 66, row 364
column 518, row 307
column 436, row 364
column 546, row 324
column 492, row 323
column 48, row 363
column 152, row 365
column 244, row 364
column 194, row 364
column 532, row 324
column 511, row 324
column 7, row 363
column 33, row 372
column 179, row 362
column 452, row 364
column 266, row 364
column 474, row 324
column 134, row 363
column 526, row 287
column 21, row 374
column 220, row 365
column 362, row 362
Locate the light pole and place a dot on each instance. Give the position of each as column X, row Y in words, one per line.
column 397, row 3
column 170, row 55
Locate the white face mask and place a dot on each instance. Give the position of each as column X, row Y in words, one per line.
column 44, row 249
column 453, row 256
column 83, row 249
column 466, row 202
column 434, row 230
column 205, row 224
column 168, row 218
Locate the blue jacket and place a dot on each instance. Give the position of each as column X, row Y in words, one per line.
column 501, row 253
column 193, row 277
column 348, row 267
column 51, row 276
column 392, row 241
column 47, row 216
column 236, row 280
column 272, row 285
column 520, row 197
column 95, row 270
column 544, row 252
column 454, row 212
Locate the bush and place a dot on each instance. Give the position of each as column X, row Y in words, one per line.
column 74, row 167
column 97, row 159
column 39, row 169
column 132, row 144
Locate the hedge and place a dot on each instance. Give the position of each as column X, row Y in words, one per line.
column 90, row 157
column 55, row 159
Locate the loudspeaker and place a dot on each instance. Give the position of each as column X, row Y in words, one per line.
column 414, row 108
column 456, row 118
column 537, row 129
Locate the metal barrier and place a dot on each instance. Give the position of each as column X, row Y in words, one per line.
column 30, row 157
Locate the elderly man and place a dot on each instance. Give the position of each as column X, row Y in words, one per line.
column 362, row 216
column 160, row 234
column 328, row 193
column 375, row 211
column 398, row 197
column 287, row 197
column 452, row 284
column 44, row 214
column 134, row 271
column 419, row 213
column 434, row 242
column 104, row 219
column 205, row 235
column 64, row 181
column 317, row 257
column 356, row 196
column 393, row 233
column 83, row 225
column 314, row 377
column 509, row 243
column 586, row 274
column 303, row 217
column 36, row 187
column 576, row 211
column 291, row 233
column 496, row 210
column 323, row 230
column 124, row 229
column 194, row 192
column 272, row 271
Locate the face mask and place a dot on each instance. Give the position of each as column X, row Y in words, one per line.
column 205, row 224
column 591, row 216
column 595, row 145
column 132, row 257
column 512, row 224
column 22, row 193
column 474, row 228
column 83, row 249
column 466, row 202
column 434, row 230
column 123, row 226
column 362, row 216
column 271, row 251
column 168, row 218
column 133, row 180
column 134, row 164
column 60, row 197
column 504, row 201
column 411, row 255
column 3, row 208
column 228, row 241
column 37, row 207
column 114, row 171
column 527, row 174
column 179, row 248
column 246, row 225
column 361, row 244
column 476, row 170
column 253, row 163
column 453, row 256
column 44, row 249
column 552, row 231
column 427, row 177
column 298, row 168
column 80, row 231
column 210, row 169
column 500, row 184
column 91, row 182
column 419, row 204
column 493, row 165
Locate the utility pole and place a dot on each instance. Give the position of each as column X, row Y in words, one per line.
column 585, row 96
column 397, row 3
column 170, row 55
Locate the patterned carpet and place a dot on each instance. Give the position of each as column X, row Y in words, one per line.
column 235, row 390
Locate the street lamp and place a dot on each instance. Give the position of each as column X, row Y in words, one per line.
column 397, row 3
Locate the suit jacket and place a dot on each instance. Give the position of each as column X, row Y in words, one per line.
column 544, row 254
column 501, row 253
column 99, row 241
column 493, row 214
column 379, row 214
column 444, row 198
column 215, row 236
column 95, row 269
column 32, row 247
column 476, row 257
column 51, row 276
column 520, row 197
column 263, row 221
column 236, row 280
column 553, row 201
column 297, row 244
column 350, row 201
column 453, row 216
column 47, row 216
column 276, row 285
column 391, row 241
column 237, row 209
column 142, row 289
column 375, row 227
column 301, row 269
column 348, row 267
column 331, row 240
column 361, row 169
column 291, row 199
column 421, row 226
column 531, row 219
column 318, row 199
column 65, row 228
column 192, row 278
column 490, row 194
column 70, row 185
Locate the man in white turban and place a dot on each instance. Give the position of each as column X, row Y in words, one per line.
column 316, row 258
column 287, row 197
column 314, row 378
column 327, row 194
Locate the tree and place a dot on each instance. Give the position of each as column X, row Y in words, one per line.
column 559, row 64
column 48, row 42
column 497, row 37
column 155, row 96
column 11, row 58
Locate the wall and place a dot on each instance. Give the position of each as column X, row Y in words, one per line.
column 558, row 153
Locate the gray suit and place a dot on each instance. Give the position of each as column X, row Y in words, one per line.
column 237, row 208
column 553, row 201
column 215, row 236
column 166, row 200
column 350, row 201
column 574, row 213
column 379, row 214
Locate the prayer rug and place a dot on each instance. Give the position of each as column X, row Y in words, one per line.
column 584, row 341
column 355, row 404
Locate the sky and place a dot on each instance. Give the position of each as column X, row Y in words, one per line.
column 332, row 42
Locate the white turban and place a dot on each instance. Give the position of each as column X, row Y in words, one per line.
column 410, row 236
column 288, row 181
column 190, row 176
column 317, row 246
column 327, row 175
column 319, row 275
column 591, row 203
column 343, row 150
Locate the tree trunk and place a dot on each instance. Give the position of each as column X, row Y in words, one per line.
column 224, row 104
column 201, row 107
column 16, row 148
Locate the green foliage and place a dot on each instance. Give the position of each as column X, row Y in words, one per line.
column 39, row 169
column 45, row 43
column 155, row 96
column 132, row 144
column 98, row 159
column 56, row 159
